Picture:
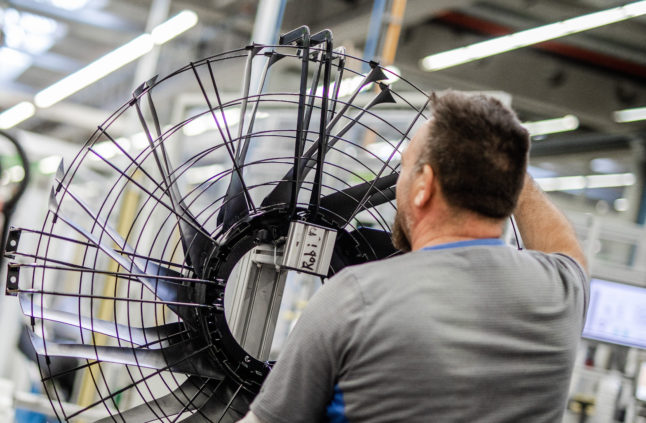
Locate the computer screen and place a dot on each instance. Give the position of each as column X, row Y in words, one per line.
column 616, row 314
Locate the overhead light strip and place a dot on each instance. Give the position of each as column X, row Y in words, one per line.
column 115, row 59
column 551, row 126
column 532, row 36
column 630, row 115
column 16, row 114
column 573, row 183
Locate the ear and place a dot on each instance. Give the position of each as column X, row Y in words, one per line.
column 423, row 186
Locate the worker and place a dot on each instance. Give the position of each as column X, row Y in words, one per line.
column 462, row 327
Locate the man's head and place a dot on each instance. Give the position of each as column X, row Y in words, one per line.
column 468, row 159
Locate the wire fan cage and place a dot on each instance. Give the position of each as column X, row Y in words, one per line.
column 124, row 285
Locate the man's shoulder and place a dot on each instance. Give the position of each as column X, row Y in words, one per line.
column 383, row 267
column 384, row 272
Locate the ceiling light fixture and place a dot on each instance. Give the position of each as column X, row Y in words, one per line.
column 551, row 126
column 528, row 37
column 49, row 164
column 573, row 183
column 94, row 71
column 13, row 116
column 115, row 59
column 630, row 115
column 174, row 26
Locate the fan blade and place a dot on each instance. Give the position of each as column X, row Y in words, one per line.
column 190, row 395
column 229, row 404
column 134, row 335
column 235, row 201
column 281, row 192
column 235, row 204
column 165, row 290
column 147, row 266
column 181, row 299
column 343, row 203
column 378, row 242
column 182, row 358
column 195, row 241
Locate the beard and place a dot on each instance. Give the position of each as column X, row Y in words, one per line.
column 399, row 235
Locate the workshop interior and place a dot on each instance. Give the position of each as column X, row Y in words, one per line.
column 179, row 177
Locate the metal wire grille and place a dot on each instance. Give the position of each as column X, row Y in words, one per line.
column 124, row 282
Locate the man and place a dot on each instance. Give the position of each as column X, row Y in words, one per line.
column 462, row 328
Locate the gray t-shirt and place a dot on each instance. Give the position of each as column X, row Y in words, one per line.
column 468, row 332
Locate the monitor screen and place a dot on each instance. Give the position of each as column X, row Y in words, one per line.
column 616, row 314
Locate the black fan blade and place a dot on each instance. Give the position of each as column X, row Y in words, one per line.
column 343, row 203
column 167, row 291
column 235, row 201
column 282, row 191
column 164, row 290
column 154, row 337
column 147, row 266
column 229, row 404
column 376, row 241
column 190, row 395
column 195, row 239
column 182, row 358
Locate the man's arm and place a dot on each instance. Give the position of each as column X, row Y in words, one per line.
column 543, row 227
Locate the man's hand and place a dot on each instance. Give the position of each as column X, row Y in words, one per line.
column 543, row 227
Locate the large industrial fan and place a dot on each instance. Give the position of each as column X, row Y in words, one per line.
column 172, row 262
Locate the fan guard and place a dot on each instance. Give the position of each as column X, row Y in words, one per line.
column 125, row 282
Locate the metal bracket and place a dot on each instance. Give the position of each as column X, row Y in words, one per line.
column 13, row 239
column 309, row 248
column 13, row 277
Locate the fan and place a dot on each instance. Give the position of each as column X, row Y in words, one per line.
column 162, row 271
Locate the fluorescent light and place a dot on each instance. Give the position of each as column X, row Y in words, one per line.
column 94, row 71
column 109, row 149
column 13, row 116
column 174, row 26
column 630, row 115
column 49, row 165
column 16, row 173
column 384, row 150
column 70, row 4
column 551, row 126
column 115, row 59
column 532, row 36
column 572, row 183
column 561, row 183
column 621, row 204
column 610, row 180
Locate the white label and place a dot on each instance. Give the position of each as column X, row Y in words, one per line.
column 311, row 249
